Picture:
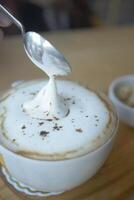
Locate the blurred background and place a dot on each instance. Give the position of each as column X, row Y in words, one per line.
column 53, row 15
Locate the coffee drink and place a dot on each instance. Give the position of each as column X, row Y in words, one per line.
column 85, row 124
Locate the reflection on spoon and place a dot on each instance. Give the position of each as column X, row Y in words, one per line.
column 45, row 55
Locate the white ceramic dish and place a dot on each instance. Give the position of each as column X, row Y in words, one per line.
column 126, row 113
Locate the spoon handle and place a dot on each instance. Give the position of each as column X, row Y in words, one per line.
column 12, row 18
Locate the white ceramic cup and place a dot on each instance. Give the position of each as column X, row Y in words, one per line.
column 56, row 176
column 60, row 175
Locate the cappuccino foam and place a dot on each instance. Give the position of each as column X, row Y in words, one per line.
column 88, row 125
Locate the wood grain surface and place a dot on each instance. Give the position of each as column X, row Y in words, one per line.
column 97, row 57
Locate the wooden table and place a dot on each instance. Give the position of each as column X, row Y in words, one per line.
column 97, row 57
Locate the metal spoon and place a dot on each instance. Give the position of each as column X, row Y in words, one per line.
column 36, row 46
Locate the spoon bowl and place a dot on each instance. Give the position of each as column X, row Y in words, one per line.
column 39, row 49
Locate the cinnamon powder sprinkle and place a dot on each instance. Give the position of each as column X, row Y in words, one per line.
column 23, row 127
column 67, row 99
column 41, row 123
column 57, row 128
column 56, row 118
column 44, row 133
column 49, row 120
column 79, row 130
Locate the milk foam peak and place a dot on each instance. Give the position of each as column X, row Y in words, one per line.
column 48, row 103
